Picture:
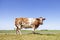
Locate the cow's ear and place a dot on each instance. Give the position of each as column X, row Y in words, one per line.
column 44, row 18
column 40, row 17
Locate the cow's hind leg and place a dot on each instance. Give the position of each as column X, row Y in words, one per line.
column 18, row 30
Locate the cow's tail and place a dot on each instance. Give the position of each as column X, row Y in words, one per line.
column 16, row 22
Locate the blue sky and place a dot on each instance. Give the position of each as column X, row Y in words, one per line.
column 11, row 9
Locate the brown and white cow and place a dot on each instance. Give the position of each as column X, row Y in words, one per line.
column 28, row 23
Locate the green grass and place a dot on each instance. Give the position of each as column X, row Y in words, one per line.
column 27, row 35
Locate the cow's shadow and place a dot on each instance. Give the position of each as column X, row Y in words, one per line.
column 48, row 34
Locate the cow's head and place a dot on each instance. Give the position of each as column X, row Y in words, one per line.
column 41, row 19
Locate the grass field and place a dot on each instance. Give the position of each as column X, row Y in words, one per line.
column 27, row 35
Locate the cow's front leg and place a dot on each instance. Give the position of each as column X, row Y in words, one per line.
column 33, row 31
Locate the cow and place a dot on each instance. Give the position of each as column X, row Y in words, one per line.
column 24, row 22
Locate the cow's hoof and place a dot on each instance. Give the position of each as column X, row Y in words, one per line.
column 33, row 32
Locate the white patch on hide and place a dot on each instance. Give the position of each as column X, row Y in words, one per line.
column 31, row 20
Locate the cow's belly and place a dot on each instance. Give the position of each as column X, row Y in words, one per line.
column 26, row 26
